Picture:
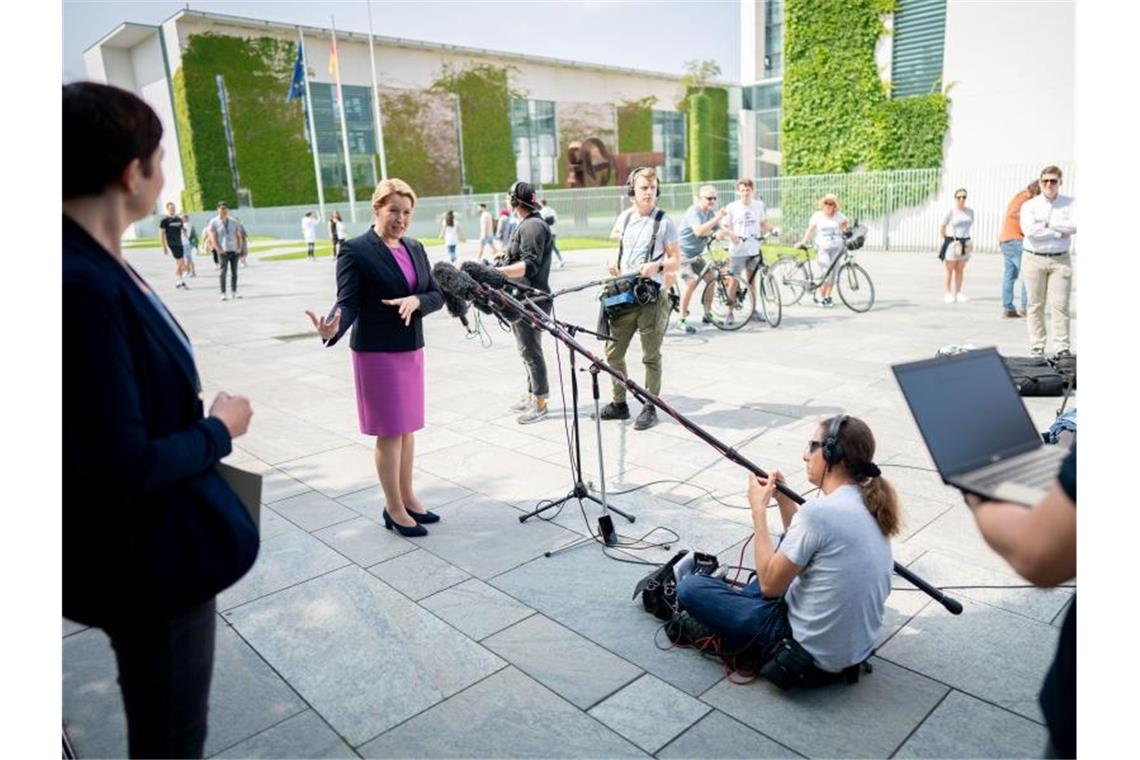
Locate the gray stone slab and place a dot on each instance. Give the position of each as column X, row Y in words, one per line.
column 869, row 719
column 649, row 712
column 483, row 536
column 591, row 595
column 276, row 485
column 717, row 735
column 359, row 653
column 498, row 472
column 273, row 525
column 418, row 573
column 334, row 473
column 432, row 490
column 998, row 642
column 506, row 715
column 364, row 542
column 570, row 665
column 303, row 736
column 278, row 436
column 966, row 727
column 283, row 561
column 246, row 696
column 476, row 609
column 312, row 511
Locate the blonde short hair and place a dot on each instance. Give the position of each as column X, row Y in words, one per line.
column 389, row 187
column 648, row 172
column 829, row 200
column 747, row 182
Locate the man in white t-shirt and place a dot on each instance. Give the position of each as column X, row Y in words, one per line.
column 486, row 232
column 744, row 220
column 309, row 229
column 649, row 249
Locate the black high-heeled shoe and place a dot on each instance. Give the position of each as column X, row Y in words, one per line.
column 424, row 518
column 415, row 531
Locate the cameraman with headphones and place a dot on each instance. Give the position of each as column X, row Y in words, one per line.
column 821, row 594
column 528, row 262
column 650, row 251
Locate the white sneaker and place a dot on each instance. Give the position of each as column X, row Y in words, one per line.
column 961, row 297
column 948, row 298
column 223, row 298
column 522, row 404
column 237, row 294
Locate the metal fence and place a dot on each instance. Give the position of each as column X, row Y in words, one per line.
column 902, row 210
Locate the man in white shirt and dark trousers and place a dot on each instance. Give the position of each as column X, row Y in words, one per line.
column 1048, row 223
column 745, row 219
column 225, row 235
column 650, row 249
column 309, row 230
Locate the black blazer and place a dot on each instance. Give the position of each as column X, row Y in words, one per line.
column 149, row 527
column 366, row 274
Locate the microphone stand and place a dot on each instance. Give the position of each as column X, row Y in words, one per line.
column 541, row 320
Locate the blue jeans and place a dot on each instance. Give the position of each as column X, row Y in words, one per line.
column 451, row 253
column 742, row 617
column 554, row 249
column 1011, row 252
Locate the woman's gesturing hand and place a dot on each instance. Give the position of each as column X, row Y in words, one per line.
column 233, row 411
column 325, row 329
column 407, row 306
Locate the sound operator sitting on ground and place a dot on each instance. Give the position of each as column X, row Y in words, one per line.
column 826, row 585
column 1040, row 543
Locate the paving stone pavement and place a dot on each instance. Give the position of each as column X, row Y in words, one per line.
column 347, row 640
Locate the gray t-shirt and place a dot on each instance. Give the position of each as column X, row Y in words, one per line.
column 835, row 605
column 959, row 222
column 635, row 240
column 691, row 244
column 226, row 231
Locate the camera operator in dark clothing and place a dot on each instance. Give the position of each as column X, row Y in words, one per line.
column 528, row 262
column 1040, row 543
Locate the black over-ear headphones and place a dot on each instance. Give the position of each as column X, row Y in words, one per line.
column 512, row 193
column 832, row 449
column 633, row 176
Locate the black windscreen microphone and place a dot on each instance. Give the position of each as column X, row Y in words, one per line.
column 489, row 276
column 450, row 281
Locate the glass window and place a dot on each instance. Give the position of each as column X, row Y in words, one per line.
column 917, row 43
column 773, row 38
column 669, row 138
column 359, row 126
column 535, row 138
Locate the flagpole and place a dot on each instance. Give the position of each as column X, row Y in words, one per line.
column 312, row 126
column 343, row 128
column 376, row 101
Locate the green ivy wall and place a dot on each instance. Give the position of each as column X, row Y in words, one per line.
column 707, row 131
column 635, row 126
column 484, row 103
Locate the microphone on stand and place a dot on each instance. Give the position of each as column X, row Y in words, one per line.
column 494, row 278
column 450, row 281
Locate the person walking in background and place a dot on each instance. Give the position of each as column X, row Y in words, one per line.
column 956, row 246
column 827, row 225
column 332, row 233
column 170, row 235
column 551, row 219
column 309, row 224
column 450, row 234
column 1010, row 241
column 168, row 533
column 486, row 232
column 503, row 232
column 189, row 244
column 384, row 288
column 225, row 236
column 1048, row 223
column 341, row 234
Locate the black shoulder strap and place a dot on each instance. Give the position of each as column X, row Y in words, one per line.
column 657, row 217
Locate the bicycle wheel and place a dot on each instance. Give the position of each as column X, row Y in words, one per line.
column 723, row 314
column 769, row 303
column 791, row 278
column 855, row 287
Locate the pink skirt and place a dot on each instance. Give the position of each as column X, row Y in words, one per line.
column 389, row 391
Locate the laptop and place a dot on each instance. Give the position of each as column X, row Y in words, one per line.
column 976, row 427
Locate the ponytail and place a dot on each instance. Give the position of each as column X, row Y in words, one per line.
column 882, row 502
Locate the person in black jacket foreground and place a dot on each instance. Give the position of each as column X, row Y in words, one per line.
column 384, row 288
column 151, row 532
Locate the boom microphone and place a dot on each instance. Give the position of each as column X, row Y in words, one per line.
column 450, row 281
column 489, row 276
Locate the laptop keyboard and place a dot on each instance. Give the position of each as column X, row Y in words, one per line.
column 1038, row 474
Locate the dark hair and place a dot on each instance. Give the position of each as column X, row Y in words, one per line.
column 104, row 129
column 1034, row 187
column 858, row 458
column 1051, row 170
column 960, row 190
column 483, row 206
column 449, row 219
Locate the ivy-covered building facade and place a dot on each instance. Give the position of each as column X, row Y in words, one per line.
column 453, row 119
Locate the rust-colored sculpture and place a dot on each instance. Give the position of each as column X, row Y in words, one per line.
column 589, row 164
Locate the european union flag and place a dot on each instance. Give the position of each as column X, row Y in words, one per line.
column 297, row 87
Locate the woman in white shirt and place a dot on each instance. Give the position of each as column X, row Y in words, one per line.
column 450, row 234
column 827, row 226
column 956, row 246
column 309, row 229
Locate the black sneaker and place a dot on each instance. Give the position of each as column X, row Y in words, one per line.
column 1010, row 313
column 615, row 411
column 647, row 418
column 1064, row 352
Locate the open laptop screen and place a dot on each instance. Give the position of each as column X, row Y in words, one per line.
column 967, row 409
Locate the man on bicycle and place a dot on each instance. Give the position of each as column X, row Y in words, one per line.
column 744, row 221
column 699, row 226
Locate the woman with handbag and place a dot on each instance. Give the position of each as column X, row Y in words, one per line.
column 384, row 289
column 956, row 245
column 151, row 531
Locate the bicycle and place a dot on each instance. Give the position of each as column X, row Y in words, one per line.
column 733, row 316
column 856, row 290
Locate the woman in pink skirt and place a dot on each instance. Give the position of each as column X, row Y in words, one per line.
column 384, row 289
